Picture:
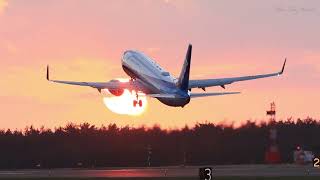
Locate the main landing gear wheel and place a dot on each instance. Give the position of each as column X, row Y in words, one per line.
column 135, row 102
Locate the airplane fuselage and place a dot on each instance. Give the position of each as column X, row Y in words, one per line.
column 154, row 78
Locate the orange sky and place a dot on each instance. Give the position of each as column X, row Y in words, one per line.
column 84, row 40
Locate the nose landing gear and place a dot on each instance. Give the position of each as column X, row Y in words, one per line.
column 138, row 101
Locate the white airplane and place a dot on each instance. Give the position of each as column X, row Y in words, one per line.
column 149, row 78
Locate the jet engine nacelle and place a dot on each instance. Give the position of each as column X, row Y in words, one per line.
column 116, row 92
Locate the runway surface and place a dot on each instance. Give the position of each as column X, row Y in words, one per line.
column 189, row 171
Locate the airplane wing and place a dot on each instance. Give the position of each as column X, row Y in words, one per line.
column 113, row 84
column 192, row 95
column 223, row 81
column 195, row 95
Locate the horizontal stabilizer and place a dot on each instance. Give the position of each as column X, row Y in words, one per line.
column 194, row 95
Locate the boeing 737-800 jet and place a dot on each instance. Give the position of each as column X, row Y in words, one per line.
column 149, row 78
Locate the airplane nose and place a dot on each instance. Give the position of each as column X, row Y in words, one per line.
column 124, row 55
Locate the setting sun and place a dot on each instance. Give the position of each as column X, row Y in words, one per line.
column 124, row 104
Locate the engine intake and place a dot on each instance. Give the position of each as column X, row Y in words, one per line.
column 116, row 92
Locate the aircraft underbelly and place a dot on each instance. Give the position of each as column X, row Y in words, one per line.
column 176, row 102
column 148, row 87
column 140, row 69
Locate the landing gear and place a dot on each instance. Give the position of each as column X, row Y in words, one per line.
column 135, row 102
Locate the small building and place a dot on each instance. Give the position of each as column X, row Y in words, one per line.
column 301, row 156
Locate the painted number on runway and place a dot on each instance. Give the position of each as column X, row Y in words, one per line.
column 205, row 173
column 316, row 162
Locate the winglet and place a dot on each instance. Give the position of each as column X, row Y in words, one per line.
column 284, row 64
column 48, row 73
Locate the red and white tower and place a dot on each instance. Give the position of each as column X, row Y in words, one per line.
column 272, row 155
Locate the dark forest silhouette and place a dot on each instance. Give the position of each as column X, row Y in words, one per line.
column 88, row 146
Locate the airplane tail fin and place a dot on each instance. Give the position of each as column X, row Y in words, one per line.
column 183, row 81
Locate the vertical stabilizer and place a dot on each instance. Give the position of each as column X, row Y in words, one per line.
column 183, row 82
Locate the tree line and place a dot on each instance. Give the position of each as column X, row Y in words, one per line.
column 89, row 146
